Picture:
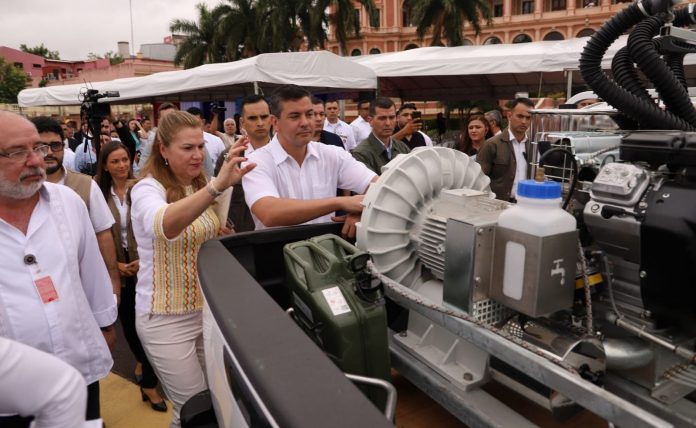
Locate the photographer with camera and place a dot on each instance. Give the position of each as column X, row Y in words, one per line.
column 409, row 125
column 229, row 126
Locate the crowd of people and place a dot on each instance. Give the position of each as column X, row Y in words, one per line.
column 93, row 232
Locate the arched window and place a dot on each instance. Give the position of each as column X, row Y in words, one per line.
column 355, row 52
column 554, row 35
column 406, row 15
column 522, row 38
column 467, row 42
column 586, row 32
column 375, row 51
column 492, row 41
column 411, row 46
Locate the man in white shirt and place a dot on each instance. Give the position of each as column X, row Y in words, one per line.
column 55, row 292
column 87, row 189
column 295, row 179
column 339, row 127
column 361, row 125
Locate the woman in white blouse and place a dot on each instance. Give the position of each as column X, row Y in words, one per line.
column 172, row 217
column 113, row 174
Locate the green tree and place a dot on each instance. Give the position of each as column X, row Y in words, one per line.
column 40, row 50
column 343, row 18
column 447, row 18
column 12, row 80
column 201, row 45
column 243, row 30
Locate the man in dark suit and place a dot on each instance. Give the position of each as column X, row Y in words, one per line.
column 503, row 158
column 320, row 135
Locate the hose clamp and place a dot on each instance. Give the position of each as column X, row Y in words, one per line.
column 641, row 7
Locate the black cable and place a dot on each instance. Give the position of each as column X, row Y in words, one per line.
column 574, row 180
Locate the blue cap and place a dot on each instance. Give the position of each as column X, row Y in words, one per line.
column 539, row 189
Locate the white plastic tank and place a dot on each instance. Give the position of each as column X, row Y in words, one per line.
column 538, row 212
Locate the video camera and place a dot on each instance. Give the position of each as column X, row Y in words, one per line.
column 94, row 111
column 216, row 108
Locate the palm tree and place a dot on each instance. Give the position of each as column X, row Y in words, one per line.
column 200, row 46
column 447, row 18
column 243, row 28
column 343, row 18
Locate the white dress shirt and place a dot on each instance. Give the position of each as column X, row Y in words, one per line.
column 36, row 383
column 428, row 140
column 361, row 129
column 325, row 168
column 520, row 148
column 214, row 146
column 99, row 212
column 64, row 248
column 84, row 158
column 344, row 131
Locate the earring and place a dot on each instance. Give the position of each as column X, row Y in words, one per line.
column 166, row 162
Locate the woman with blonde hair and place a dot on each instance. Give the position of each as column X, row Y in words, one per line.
column 172, row 217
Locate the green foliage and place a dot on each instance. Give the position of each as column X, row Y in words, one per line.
column 237, row 29
column 12, row 81
column 113, row 57
column 446, row 18
column 40, row 50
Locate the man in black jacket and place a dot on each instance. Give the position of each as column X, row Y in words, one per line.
column 320, row 135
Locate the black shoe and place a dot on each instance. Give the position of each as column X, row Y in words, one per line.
column 158, row 407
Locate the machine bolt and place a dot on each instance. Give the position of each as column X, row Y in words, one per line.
column 403, row 333
column 665, row 195
column 468, row 376
column 643, row 274
column 477, row 281
column 643, row 205
column 594, row 208
column 479, row 231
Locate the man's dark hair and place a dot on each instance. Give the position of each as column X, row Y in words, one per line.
column 283, row 94
column 251, row 99
column 381, row 102
column 406, row 106
column 526, row 101
column 361, row 102
column 316, row 100
column 166, row 106
column 48, row 124
column 194, row 111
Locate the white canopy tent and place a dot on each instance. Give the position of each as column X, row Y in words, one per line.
column 482, row 72
column 318, row 71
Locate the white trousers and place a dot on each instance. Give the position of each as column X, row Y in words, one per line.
column 174, row 346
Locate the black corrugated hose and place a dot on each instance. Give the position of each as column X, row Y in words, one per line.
column 676, row 64
column 626, row 75
column 643, row 52
column 637, row 108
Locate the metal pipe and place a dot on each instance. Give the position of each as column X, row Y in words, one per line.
column 390, row 406
column 640, row 332
column 624, row 354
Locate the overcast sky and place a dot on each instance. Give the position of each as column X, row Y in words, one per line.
column 75, row 28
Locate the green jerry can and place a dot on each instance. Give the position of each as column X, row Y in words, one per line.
column 339, row 305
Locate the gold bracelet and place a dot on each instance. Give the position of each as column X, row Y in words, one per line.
column 212, row 190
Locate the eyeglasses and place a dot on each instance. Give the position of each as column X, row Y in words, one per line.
column 56, row 146
column 23, row 155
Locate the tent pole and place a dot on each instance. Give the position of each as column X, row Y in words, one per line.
column 569, row 85
column 256, row 88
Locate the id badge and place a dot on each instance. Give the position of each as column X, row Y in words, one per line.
column 47, row 291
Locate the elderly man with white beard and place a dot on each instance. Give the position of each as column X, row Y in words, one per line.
column 55, row 292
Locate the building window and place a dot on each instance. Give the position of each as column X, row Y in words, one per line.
column 19, row 65
column 554, row 35
column 357, row 17
column 587, row 3
column 411, row 46
column 521, row 38
column 492, row 41
column 355, row 52
column 556, row 5
column 379, row 17
column 527, row 7
column 36, row 65
column 497, row 8
column 375, row 51
column 406, row 15
column 586, row 32
column 467, row 42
